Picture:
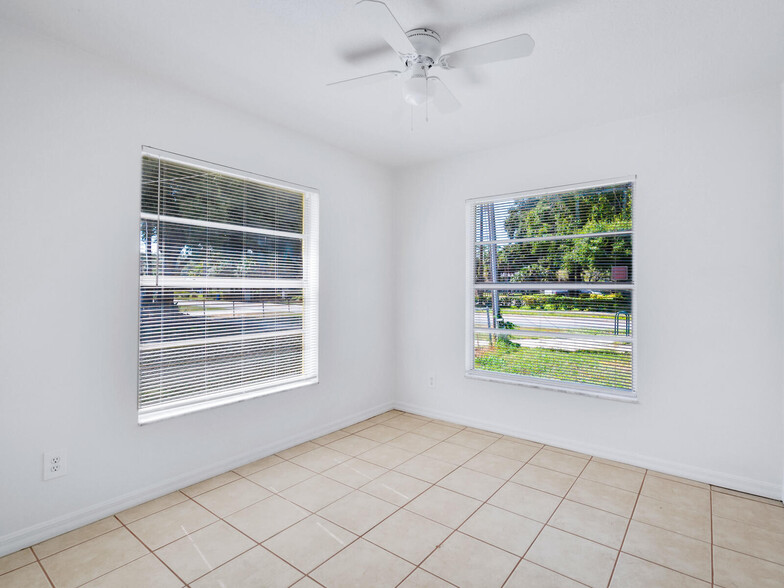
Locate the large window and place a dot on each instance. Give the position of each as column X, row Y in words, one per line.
column 228, row 276
column 550, row 288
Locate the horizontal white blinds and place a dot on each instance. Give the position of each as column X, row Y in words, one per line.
column 551, row 287
column 228, row 281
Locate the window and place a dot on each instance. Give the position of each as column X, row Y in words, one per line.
column 228, row 277
column 550, row 289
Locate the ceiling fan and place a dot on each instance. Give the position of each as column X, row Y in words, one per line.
column 420, row 51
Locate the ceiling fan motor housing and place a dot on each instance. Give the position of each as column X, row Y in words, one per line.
column 427, row 44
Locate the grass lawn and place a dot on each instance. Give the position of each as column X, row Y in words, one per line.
column 601, row 368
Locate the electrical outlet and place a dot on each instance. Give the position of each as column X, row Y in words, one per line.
column 55, row 464
column 431, row 382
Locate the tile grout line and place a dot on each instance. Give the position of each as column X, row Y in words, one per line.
column 152, row 551
column 577, row 477
column 626, row 531
column 41, row 565
column 713, row 545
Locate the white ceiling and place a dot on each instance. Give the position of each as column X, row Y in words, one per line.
column 595, row 61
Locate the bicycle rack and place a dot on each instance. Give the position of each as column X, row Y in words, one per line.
column 618, row 321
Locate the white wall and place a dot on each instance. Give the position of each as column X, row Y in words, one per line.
column 709, row 279
column 72, row 128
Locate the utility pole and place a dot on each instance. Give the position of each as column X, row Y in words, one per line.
column 491, row 232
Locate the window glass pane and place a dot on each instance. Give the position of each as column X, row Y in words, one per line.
column 585, row 361
column 583, row 259
column 581, row 312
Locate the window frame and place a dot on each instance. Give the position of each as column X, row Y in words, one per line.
column 471, row 286
column 310, row 289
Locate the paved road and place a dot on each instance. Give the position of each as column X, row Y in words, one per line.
column 605, row 324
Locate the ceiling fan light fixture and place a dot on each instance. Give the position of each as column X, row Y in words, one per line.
column 415, row 90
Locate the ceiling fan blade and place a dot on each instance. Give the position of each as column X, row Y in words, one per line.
column 366, row 80
column 443, row 99
column 382, row 18
column 511, row 48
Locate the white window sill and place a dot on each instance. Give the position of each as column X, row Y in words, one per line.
column 567, row 387
column 175, row 409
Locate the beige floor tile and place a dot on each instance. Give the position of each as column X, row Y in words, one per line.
column 353, row 445
column 523, row 441
column 619, row 464
column 145, row 571
column 754, row 497
column 257, row 568
column 210, row 484
column 472, row 440
column 151, row 507
column 396, row 488
column 168, row 525
column 468, row 563
column 484, row 432
column 315, row 493
column 356, row 427
column 574, row 557
column 502, row 528
column 258, row 465
column 422, row 579
column 266, row 518
column 405, row 422
column 298, row 450
column 355, row 472
column 672, row 478
column 450, row 453
column 409, row 535
column 560, row 462
column 613, row 476
column 751, row 512
column 380, row 433
column 530, row 575
column 444, row 506
column 567, row 452
column 360, row 565
column 320, row 459
column 437, row 431
column 426, row 468
column 201, row 552
column 671, row 550
column 232, row 497
column 603, row 497
column 385, row 416
column 29, row 576
column 80, row 535
column 594, row 524
column 413, row 442
column 632, row 572
column 304, row 583
column 674, row 492
column 16, row 560
column 387, row 456
column 512, row 450
column 494, row 465
column 749, row 539
column 471, row 483
column 309, row 543
column 358, row 512
column 93, row 558
column 674, row 517
column 281, row 476
column 738, row 570
column 544, row 479
column 330, row 437
column 528, row 502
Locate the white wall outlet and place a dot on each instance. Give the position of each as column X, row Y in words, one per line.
column 55, row 464
column 431, row 382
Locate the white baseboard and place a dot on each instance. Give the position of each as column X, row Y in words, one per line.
column 717, row 478
column 33, row 534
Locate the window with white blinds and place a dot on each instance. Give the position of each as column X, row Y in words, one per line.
column 228, row 286
column 550, row 288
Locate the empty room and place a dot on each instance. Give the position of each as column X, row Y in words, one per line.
column 416, row 293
